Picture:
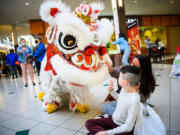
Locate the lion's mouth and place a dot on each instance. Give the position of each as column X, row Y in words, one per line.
column 85, row 61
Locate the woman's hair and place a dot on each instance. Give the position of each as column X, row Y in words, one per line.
column 147, row 85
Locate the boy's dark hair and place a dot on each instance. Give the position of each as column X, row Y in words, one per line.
column 11, row 50
column 132, row 74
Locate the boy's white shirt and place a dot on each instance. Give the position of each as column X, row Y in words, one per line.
column 127, row 109
column 146, row 125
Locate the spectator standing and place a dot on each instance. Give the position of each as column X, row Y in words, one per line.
column 161, row 48
column 148, row 44
column 11, row 60
column 39, row 53
column 26, row 59
column 124, row 48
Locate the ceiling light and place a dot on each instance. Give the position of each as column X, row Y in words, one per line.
column 120, row 3
column 171, row 1
column 27, row 3
column 135, row 1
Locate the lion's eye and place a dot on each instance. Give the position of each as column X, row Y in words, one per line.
column 67, row 42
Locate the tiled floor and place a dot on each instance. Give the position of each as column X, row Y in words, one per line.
column 20, row 109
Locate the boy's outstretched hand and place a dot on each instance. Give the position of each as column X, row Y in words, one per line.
column 102, row 133
column 110, row 86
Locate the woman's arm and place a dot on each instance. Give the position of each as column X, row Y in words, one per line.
column 20, row 50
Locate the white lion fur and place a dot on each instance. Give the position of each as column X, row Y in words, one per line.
column 105, row 30
column 46, row 7
column 96, row 6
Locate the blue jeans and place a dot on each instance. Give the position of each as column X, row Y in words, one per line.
column 109, row 107
column 125, row 59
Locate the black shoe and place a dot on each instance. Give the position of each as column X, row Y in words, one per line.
column 33, row 83
column 26, row 85
column 13, row 77
column 16, row 76
column 90, row 133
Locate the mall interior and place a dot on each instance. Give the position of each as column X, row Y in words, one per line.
column 60, row 60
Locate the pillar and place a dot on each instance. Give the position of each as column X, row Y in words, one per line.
column 120, row 27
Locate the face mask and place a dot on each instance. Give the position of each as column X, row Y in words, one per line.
column 23, row 43
column 36, row 41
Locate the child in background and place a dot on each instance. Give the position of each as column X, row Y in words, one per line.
column 128, row 106
column 11, row 60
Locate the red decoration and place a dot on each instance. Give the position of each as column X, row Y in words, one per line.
column 56, row 103
column 89, row 51
column 51, row 51
column 53, row 11
column 96, row 11
column 102, row 51
column 73, row 104
column 46, row 103
column 178, row 49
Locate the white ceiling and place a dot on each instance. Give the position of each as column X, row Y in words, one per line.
column 15, row 11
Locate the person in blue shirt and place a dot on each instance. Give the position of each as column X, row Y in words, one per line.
column 124, row 47
column 39, row 53
column 25, row 60
column 11, row 60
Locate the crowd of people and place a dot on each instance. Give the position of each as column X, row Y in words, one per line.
column 25, row 58
column 156, row 49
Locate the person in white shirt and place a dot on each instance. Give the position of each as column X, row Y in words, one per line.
column 123, row 119
column 148, row 44
column 161, row 48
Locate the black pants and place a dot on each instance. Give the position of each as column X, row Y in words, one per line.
column 161, row 51
column 149, row 52
column 38, row 66
column 13, row 70
column 96, row 125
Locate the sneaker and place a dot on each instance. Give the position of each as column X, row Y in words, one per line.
column 102, row 116
column 26, row 84
column 16, row 76
column 13, row 77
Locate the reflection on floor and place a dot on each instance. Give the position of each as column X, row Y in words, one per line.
column 21, row 110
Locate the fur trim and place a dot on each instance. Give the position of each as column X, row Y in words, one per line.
column 45, row 9
column 86, row 78
column 45, row 83
column 78, row 94
column 105, row 30
column 97, row 7
column 70, row 24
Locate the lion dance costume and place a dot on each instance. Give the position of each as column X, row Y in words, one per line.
column 76, row 57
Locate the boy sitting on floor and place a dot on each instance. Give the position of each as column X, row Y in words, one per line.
column 123, row 119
